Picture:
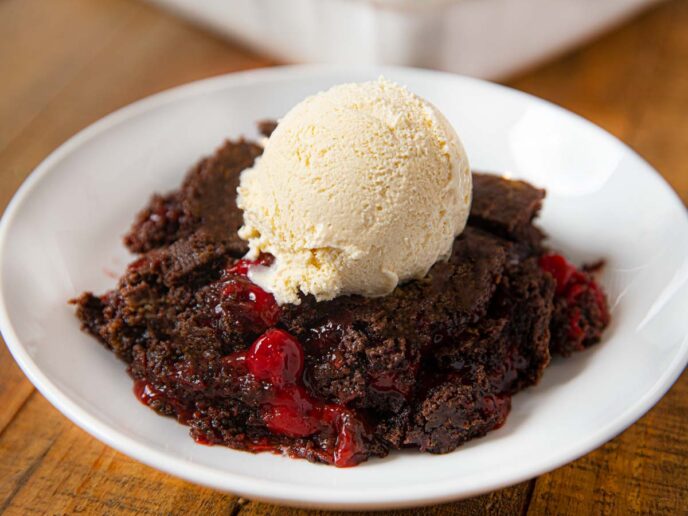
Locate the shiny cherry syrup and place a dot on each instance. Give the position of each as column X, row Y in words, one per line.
column 276, row 358
column 251, row 300
column 571, row 284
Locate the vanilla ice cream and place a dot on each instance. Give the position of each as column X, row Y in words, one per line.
column 359, row 188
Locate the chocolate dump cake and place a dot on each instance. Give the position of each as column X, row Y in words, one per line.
column 429, row 366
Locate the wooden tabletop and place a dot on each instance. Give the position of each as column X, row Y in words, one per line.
column 66, row 63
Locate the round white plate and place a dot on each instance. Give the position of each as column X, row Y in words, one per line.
column 61, row 236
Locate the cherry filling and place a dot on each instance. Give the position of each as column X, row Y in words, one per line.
column 146, row 393
column 276, row 357
column 287, row 408
column 241, row 267
column 571, row 285
column 253, row 302
column 394, row 381
column 152, row 397
column 561, row 270
column 258, row 305
column 292, row 412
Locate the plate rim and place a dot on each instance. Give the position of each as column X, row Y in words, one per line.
column 263, row 489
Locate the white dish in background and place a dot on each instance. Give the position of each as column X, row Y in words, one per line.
column 482, row 38
column 62, row 231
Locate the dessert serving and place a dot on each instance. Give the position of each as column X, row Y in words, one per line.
column 347, row 289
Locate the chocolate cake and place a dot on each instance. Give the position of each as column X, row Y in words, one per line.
column 429, row 366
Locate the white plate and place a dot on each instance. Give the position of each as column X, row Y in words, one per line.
column 61, row 235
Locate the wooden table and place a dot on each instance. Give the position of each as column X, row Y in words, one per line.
column 66, row 63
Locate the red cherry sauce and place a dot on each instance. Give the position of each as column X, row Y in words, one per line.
column 146, row 393
column 393, row 382
column 241, row 267
column 149, row 395
column 276, row 358
column 571, row 284
column 253, row 302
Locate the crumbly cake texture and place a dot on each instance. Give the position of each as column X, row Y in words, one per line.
column 429, row 366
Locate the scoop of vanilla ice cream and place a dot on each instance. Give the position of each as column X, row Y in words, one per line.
column 359, row 188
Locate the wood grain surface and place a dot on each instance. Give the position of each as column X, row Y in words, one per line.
column 66, row 63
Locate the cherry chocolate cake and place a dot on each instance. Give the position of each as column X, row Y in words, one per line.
column 429, row 366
